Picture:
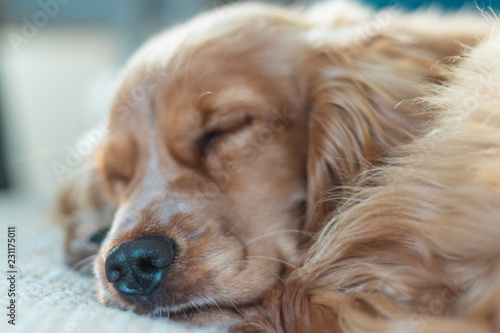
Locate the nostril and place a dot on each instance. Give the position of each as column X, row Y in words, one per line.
column 146, row 265
column 114, row 274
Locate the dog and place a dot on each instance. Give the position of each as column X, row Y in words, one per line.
column 273, row 169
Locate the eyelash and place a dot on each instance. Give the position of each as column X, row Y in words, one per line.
column 212, row 138
column 209, row 140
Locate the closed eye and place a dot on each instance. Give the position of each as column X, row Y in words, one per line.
column 213, row 137
column 98, row 236
column 209, row 140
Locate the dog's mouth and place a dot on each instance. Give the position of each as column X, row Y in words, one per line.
column 188, row 311
column 143, row 306
column 180, row 272
column 194, row 309
column 157, row 275
column 201, row 313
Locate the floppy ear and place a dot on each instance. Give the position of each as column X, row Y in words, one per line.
column 83, row 208
column 359, row 95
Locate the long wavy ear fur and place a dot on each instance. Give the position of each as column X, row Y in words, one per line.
column 359, row 89
column 413, row 250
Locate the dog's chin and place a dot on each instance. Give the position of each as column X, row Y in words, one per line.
column 189, row 312
column 202, row 315
column 205, row 305
column 202, row 312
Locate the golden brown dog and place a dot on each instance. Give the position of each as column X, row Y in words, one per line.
column 236, row 138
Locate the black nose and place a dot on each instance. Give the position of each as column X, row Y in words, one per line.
column 136, row 267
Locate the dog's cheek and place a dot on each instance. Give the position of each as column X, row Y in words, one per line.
column 99, row 273
column 103, row 286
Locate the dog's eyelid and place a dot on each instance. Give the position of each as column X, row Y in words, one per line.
column 226, row 122
column 208, row 141
column 98, row 236
column 221, row 129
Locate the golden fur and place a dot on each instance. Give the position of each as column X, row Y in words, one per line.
column 415, row 248
column 280, row 150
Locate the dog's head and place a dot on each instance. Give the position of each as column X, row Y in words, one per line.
column 206, row 159
column 224, row 137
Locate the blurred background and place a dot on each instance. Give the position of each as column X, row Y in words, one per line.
column 58, row 60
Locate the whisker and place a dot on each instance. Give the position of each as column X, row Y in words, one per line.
column 81, row 264
column 216, row 304
column 276, row 259
column 230, row 301
column 310, row 234
column 185, row 316
column 255, row 264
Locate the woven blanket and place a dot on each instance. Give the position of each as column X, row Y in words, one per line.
column 50, row 297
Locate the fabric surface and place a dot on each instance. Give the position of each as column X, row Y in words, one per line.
column 50, row 297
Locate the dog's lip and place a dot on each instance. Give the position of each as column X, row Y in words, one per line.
column 186, row 310
column 144, row 305
column 169, row 312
